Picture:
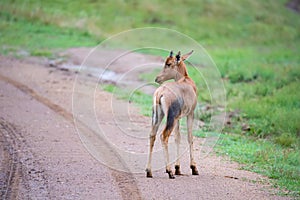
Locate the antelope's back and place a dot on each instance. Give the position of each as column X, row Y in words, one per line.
column 174, row 91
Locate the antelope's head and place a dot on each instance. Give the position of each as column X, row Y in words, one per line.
column 174, row 68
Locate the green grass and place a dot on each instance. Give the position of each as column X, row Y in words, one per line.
column 37, row 38
column 281, row 164
column 273, row 114
column 255, row 45
column 138, row 98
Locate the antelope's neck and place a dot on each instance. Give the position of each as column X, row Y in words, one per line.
column 182, row 72
column 188, row 80
column 182, row 76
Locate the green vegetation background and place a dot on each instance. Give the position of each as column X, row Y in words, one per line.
column 255, row 44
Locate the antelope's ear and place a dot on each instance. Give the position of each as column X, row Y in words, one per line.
column 185, row 56
column 178, row 56
column 171, row 54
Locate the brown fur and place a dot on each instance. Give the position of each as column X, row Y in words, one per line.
column 174, row 100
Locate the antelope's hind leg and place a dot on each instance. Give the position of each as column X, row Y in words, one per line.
column 164, row 140
column 157, row 116
column 172, row 122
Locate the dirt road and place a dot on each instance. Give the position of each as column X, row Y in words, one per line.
column 44, row 157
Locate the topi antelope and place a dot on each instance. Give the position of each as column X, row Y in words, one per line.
column 174, row 100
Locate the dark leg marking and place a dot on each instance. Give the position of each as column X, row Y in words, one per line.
column 177, row 170
column 171, row 175
column 149, row 173
column 194, row 170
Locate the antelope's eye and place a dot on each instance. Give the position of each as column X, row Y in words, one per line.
column 168, row 64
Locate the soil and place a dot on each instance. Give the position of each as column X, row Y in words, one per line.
column 47, row 141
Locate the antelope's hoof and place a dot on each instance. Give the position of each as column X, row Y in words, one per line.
column 149, row 173
column 177, row 170
column 194, row 170
column 171, row 175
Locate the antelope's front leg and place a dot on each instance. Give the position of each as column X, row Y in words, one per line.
column 190, row 119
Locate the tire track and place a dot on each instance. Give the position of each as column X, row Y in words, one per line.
column 126, row 182
column 10, row 166
column 19, row 168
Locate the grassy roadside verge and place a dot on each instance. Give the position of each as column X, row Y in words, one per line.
column 264, row 157
column 255, row 44
column 21, row 37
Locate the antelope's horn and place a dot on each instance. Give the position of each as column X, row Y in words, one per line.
column 178, row 56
